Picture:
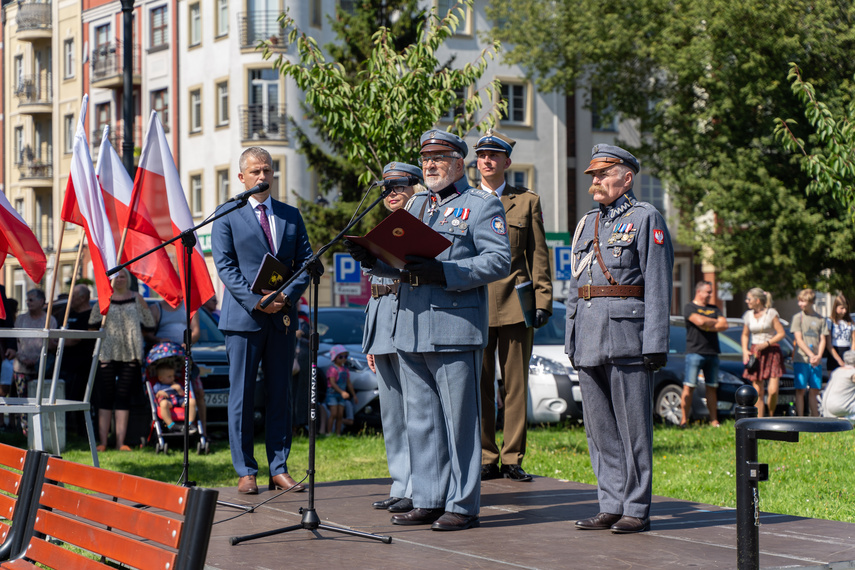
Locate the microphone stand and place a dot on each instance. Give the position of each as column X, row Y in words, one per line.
column 188, row 242
column 311, row 521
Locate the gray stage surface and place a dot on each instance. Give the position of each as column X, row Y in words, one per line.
column 523, row 525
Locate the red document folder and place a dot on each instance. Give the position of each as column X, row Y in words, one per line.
column 399, row 235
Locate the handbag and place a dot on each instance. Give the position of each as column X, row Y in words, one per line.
column 753, row 364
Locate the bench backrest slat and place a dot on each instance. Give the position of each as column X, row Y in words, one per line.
column 113, row 545
column 135, row 489
column 55, row 556
column 142, row 523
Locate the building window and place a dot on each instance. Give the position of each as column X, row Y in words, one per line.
column 276, row 183
column 602, row 114
column 316, row 16
column 19, row 145
column 222, row 18
column 68, row 121
column 652, row 191
column 196, row 194
column 102, row 116
column 518, row 178
column 19, row 71
column 159, row 30
column 19, row 207
column 443, row 7
column 68, row 58
column 194, row 34
column 348, row 6
column 222, row 103
column 222, row 185
column 160, row 103
column 516, row 96
column 196, row 111
column 457, row 108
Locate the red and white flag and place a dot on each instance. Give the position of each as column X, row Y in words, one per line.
column 17, row 238
column 84, row 206
column 156, row 269
column 159, row 209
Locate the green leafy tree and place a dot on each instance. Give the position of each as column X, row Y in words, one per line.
column 377, row 115
column 704, row 80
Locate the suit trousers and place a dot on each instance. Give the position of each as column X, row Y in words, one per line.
column 617, row 407
column 274, row 350
column 393, row 393
column 443, row 429
column 514, row 344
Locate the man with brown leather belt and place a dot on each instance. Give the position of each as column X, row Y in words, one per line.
column 617, row 336
column 510, row 334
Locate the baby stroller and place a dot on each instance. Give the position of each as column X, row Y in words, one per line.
column 173, row 354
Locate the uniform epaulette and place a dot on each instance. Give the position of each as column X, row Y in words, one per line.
column 413, row 197
column 483, row 194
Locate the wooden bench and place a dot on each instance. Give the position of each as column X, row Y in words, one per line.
column 134, row 521
column 18, row 480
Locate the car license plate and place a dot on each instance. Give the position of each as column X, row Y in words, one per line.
column 217, row 399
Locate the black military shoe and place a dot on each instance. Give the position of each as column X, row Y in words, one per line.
column 515, row 473
column 490, row 471
column 629, row 525
column 602, row 521
column 402, row 506
column 386, row 503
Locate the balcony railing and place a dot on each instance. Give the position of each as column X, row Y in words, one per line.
column 108, row 62
column 117, row 137
column 259, row 26
column 263, row 122
column 35, row 168
column 34, row 16
column 34, row 90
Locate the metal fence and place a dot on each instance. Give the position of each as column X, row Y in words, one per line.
column 263, row 122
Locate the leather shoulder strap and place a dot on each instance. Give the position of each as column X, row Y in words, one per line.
column 597, row 251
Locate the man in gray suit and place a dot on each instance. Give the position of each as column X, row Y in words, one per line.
column 254, row 336
column 617, row 336
column 440, row 334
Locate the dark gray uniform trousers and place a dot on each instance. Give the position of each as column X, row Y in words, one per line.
column 618, row 414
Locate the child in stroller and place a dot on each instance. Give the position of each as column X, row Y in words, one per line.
column 164, row 378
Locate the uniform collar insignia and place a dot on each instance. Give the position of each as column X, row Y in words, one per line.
column 620, row 205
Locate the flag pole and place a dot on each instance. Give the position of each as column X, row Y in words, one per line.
column 53, row 278
column 73, row 280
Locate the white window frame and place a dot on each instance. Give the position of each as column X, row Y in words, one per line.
column 70, row 130
column 68, row 58
column 223, row 184
column 196, row 193
column 222, row 94
column 443, row 6
column 194, row 23
column 222, row 18
column 195, row 115
column 518, row 114
column 523, row 171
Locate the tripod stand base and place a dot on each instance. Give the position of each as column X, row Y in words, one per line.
column 310, row 522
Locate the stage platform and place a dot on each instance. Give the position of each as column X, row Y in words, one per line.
column 523, row 525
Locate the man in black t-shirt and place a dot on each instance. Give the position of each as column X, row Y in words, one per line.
column 703, row 323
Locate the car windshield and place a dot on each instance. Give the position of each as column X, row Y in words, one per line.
column 340, row 326
column 553, row 331
column 208, row 331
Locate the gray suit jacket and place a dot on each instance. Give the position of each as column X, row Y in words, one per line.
column 613, row 329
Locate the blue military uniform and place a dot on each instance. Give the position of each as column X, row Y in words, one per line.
column 609, row 331
column 440, row 333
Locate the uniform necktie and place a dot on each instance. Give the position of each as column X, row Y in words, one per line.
column 265, row 225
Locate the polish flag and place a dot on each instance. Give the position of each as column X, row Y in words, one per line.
column 84, row 206
column 156, row 269
column 17, row 238
column 159, row 208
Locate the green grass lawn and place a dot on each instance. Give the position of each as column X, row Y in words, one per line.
column 811, row 478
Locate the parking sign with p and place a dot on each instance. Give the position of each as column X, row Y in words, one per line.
column 346, row 269
column 563, row 263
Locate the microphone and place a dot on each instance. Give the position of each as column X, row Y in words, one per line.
column 402, row 181
column 244, row 196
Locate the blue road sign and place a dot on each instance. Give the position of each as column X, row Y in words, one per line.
column 563, row 257
column 346, row 268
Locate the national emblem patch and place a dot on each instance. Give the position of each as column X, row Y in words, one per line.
column 658, row 237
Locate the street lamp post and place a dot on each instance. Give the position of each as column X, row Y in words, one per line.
column 128, row 93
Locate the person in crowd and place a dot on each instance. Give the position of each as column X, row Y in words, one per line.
column 26, row 365
column 170, row 326
column 256, row 335
column 211, row 306
column 838, row 399
column 169, row 393
column 703, row 323
column 339, row 389
column 378, row 344
column 617, row 335
column 810, row 331
column 8, row 348
column 841, row 332
column 510, row 334
column 440, row 333
column 119, row 372
column 77, row 354
column 762, row 327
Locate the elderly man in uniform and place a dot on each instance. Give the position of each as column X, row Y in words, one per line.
column 617, row 336
column 440, row 334
column 509, row 331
